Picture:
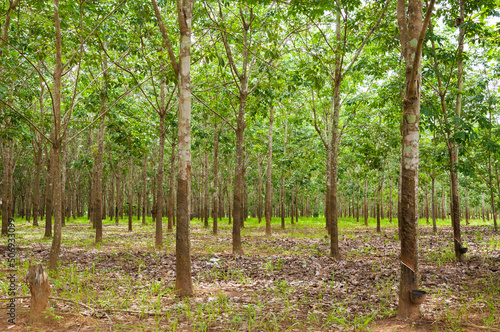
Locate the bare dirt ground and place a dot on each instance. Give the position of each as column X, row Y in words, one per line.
column 285, row 283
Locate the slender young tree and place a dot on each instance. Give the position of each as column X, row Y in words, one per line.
column 182, row 68
column 269, row 187
column 215, row 195
column 98, row 163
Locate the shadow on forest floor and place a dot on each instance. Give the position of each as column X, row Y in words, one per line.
column 283, row 283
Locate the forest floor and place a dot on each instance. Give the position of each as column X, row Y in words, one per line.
column 284, row 283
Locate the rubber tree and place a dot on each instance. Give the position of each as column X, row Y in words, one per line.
column 269, row 187
column 98, row 162
column 7, row 149
column 412, row 29
column 182, row 68
column 246, row 64
column 330, row 135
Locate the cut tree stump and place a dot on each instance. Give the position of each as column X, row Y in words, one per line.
column 40, row 291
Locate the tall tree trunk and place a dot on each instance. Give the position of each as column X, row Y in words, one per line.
column 74, row 205
column 57, row 145
column 229, row 212
column 104, row 200
column 458, row 111
column 334, row 145
column 443, row 208
column 490, row 180
column 282, row 181
column 49, row 194
column 328, row 193
column 130, row 193
column 171, row 199
column 36, row 184
column 455, row 206
column 357, row 204
column 466, row 206
column 259, row 190
column 7, row 158
column 111, row 199
column 119, row 192
column 159, row 182
column 282, row 200
column 144, row 188
column 498, row 189
column 183, row 280
column 63, row 186
column 28, row 206
column 205, row 190
column 412, row 32
column 426, row 203
column 245, row 197
column 382, row 201
column 379, row 199
column 139, row 204
column 215, row 199
column 366, row 202
column 390, row 202
column 7, row 151
column 98, row 164
column 239, row 173
column 433, row 203
column 296, row 204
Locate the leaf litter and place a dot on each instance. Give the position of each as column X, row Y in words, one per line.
column 284, row 283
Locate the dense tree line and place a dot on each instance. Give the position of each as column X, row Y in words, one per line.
column 213, row 109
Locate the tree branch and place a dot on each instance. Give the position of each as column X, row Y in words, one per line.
column 166, row 38
column 220, row 116
column 108, row 109
column 28, row 120
column 363, row 43
column 420, row 43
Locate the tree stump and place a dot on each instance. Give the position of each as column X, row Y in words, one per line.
column 40, row 291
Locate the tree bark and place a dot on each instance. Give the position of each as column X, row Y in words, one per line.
column 171, row 199
column 426, row 200
column 379, row 198
column 57, row 145
column 296, row 204
column 498, row 188
column 433, row 203
column 282, row 181
column 205, row 190
column 7, row 158
column 130, row 193
column 183, row 280
column 490, row 180
column 390, row 202
column 366, row 202
column 259, row 190
column 98, row 164
column 111, row 199
column 36, row 185
column 215, row 199
column 144, row 188
column 357, row 204
column 159, row 182
column 7, row 152
column 412, row 32
column 466, row 206
column 238, row 176
column 119, row 192
column 49, row 195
